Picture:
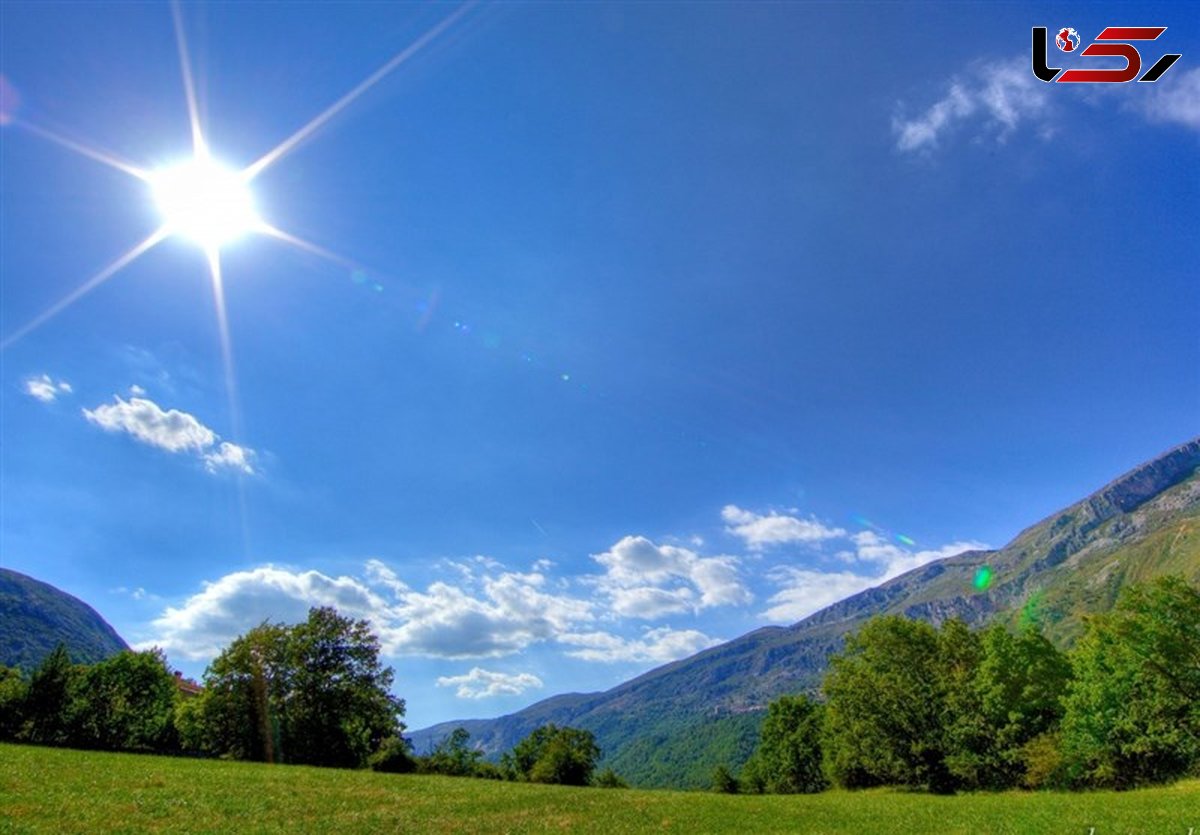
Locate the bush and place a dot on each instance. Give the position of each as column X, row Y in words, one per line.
column 609, row 779
column 1045, row 766
column 392, row 757
column 723, row 781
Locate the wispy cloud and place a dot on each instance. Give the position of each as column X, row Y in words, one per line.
column 45, row 388
column 802, row 591
column 994, row 99
column 1173, row 102
column 484, row 684
column 170, row 430
column 658, row 645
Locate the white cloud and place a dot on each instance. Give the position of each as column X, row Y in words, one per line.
column 1172, row 100
column 998, row 95
column 656, row 645
column 648, row 581
column 761, row 530
column 46, row 389
column 207, row 621
column 894, row 560
column 509, row 612
column 170, row 430
column 804, row 591
column 231, row 456
column 483, row 684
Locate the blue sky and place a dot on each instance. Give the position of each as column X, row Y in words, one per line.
column 628, row 328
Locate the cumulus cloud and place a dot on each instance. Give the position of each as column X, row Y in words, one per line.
column 207, row 621
column 512, row 612
column 483, row 684
column 996, row 96
column 656, row 645
column 170, row 430
column 45, row 388
column 761, row 530
column 509, row 612
column 646, row 580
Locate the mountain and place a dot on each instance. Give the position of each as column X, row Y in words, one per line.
column 672, row 725
column 35, row 617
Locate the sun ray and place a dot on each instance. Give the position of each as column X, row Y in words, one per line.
column 287, row 145
column 85, row 288
column 213, row 255
column 307, row 246
column 80, row 148
column 189, row 86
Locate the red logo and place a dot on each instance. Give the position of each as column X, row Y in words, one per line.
column 1113, row 42
column 1067, row 40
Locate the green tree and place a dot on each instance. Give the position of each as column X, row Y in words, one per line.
column 551, row 754
column 13, row 688
column 1010, row 695
column 886, row 707
column 313, row 693
column 1133, row 709
column 340, row 707
column 48, row 700
column 241, row 711
column 788, row 757
column 124, row 703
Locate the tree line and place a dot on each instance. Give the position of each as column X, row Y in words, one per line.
column 947, row 708
column 312, row 693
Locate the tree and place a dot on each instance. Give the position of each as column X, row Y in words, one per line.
column 788, row 757
column 551, row 754
column 340, row 707
column 886, row 707
column 124, row 703
column 241, row 711
column 313, row 693
column 1006, row 697
column 1133, row 710
column 12, row 702
column 48, row 699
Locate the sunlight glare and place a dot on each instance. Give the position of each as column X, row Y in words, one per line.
column 205, row 202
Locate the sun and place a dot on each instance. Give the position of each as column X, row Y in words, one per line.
column 205, row 202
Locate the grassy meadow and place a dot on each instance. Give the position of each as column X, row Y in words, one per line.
column 58, row 790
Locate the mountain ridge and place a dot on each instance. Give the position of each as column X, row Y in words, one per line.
column 35, row 616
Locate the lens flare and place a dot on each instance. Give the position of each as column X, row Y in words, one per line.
column 983, row 578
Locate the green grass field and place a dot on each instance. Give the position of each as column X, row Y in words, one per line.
column 53, row 790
